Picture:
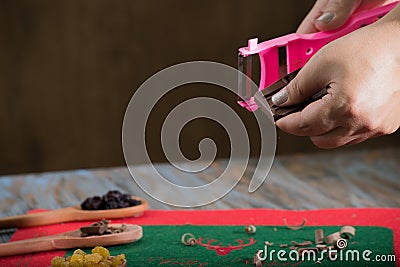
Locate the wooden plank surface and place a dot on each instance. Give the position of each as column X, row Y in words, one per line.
column 327, row 180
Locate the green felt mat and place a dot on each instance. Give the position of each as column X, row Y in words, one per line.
column 161, row 246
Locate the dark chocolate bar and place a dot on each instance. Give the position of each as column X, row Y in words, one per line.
column 280, row 112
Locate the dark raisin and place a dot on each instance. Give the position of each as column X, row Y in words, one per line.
column 126, row 197
column 112, row 205
column 97, row 203
column 85, row 204
column 123, row 204
column 134, row 202
column 112, row 200
column 113, row 194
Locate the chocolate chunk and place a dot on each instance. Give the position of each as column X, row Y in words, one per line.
column 101, row 228
column 280, row 112
column 98, row 228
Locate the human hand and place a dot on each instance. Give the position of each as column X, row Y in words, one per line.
column 327, row 15
column 361, row 72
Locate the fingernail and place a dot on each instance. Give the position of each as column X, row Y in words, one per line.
column 280, row 97
column 326, row 17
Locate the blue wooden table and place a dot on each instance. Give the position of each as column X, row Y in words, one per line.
column 305, row 181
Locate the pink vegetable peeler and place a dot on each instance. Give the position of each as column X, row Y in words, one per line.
column 281, row 59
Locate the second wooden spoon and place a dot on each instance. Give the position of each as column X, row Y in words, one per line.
column 70, row 214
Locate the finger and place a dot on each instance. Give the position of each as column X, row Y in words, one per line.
column 371, row 4
column 311, row 79
column 337, row 137
column 313, row 120
column 335, row 14
column 307, row 25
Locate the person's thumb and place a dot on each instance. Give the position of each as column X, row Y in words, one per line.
column 309, row 81
column 335, row 14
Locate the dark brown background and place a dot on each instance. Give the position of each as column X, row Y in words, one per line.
column 68, row 69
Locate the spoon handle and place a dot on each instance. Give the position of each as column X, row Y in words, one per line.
column 27, row 246
column 71, row 239
column 39, row 218
column 69, row 214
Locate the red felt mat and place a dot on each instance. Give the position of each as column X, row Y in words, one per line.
column 389, row 218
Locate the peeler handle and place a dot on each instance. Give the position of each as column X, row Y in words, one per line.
column 299, row 48
column 287, row 54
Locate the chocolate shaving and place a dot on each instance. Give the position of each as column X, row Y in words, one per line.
column 347, row 232
column 293, row 247
column 250, row 229
column 295, row 227
column 319, row 236
column 269, row 243
column 332, row 238
column 188, row 239
column 302, row 244
column 283, row 245
column 116, row 230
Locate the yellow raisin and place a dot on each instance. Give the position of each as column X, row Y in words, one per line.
column 91, row 264
column 79, row 252
column 92, row 258
column 101, row 251
column 57, row 261
column 76, row 264
column 105, row 263
column 76, row 260
column 118, row 260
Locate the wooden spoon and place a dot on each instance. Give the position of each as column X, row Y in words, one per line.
column 70, row 214
column 71, row 239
